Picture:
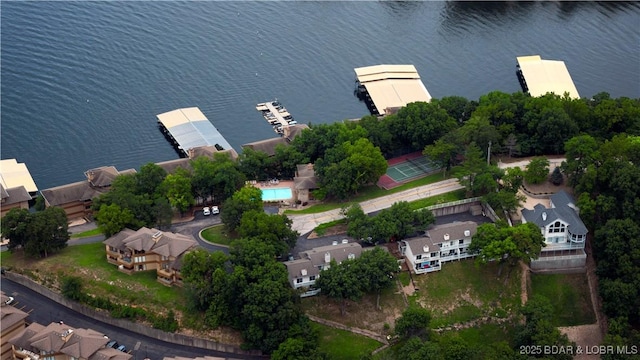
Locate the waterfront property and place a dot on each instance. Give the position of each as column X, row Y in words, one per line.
column 538, row 77
column 17, row 187
column 564, row 232
column 268, row 146
column 61, row 342
column 303, row 272
column 387, row 88
column 149, row 249
column 76, row 198
column 187, row 128
column 440, row 244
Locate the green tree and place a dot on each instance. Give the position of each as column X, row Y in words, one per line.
column 272, row 228
column 414, row 322
column 400, row 221
column 581, row 151
column 512, row 179
column 473, row 165
column 149, row 178
column 442, row 153
column 419, row 124
column 537, row 170
column 198, row 272
column 177, row 187
column 48, row 232
column 246, row 199
column 15, row 227
column 556, row 177
column 341, row 282
column 358, row 223
column 376, row 271
column 202, row 178
column 256, row 164
column 72, row 288
column 111, row 219
column 538, row 329
column 227, row 179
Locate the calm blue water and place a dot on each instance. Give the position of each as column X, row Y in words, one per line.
column 275, row 194
column 83, row 81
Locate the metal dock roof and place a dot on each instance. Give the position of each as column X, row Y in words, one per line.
column 14, row 174
column 543, row 76
column 392, row 86
column 190, row 128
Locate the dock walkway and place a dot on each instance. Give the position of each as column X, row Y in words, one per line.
column 276, row 115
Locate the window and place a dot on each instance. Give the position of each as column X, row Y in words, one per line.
column 451, row 243
column 557, row 227
column 312, row 277
column 298, row 280
column 434, row 254
column 419, row 256
column 461, row 241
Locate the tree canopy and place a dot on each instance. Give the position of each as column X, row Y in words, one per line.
column 38, row 234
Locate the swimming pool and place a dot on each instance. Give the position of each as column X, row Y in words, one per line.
column 276, row 194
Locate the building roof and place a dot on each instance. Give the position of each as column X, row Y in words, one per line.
column 14, row 174
column 305, row 177
column 60, row 338
column 421, row 245
column 152, row 240
column 9, row 315
column 210, row 151
column 64, row 194
column 110, row 354
column 452, row 231
column 339, row 253
column 392, row 86
column 102, row 176
column 22, row 339
column 543, row 76
column 301, row 267
column 170, row 166
column 562, row 208
column 14, row 195
column 267, row 146
column 190, row 128
column 292, row 131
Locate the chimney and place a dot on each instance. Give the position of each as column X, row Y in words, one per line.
column 66, row 335
column 327, row 257
column 425, row 248
column 156, row 236
column 303, row 272
column 467, row 233
column 446, row 237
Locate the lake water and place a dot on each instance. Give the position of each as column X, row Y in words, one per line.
column 82, row 82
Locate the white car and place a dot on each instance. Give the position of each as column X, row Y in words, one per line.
column 206, row 211
column 9, row 301
column 215, row 210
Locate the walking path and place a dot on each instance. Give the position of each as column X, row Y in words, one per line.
column 307, row 222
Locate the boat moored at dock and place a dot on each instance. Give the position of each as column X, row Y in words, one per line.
column 276, row 115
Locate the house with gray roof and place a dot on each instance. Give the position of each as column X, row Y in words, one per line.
column 303, row 272
column 564, row 232
column 440, row 244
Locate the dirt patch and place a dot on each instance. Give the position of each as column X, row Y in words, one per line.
column 334, row 230
column 583, row 336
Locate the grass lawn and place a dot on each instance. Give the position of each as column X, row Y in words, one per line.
column 569, row 294
column 438, row 199
column 321, row 229
column 462, row 292
column 87, row 233
column 361, row 314
column 218, row 235
column 340, row 344
column 368, row 193
column 99, row 277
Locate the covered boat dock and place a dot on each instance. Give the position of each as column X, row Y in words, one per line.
column 188, row 128
column 538, row 77
column 387, row 88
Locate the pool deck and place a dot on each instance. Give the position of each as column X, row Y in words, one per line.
column 279, row 185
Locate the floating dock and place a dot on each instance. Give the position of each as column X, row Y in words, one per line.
column 276, row 115
column 387, row 88
column 188, row 128
column 538, row 77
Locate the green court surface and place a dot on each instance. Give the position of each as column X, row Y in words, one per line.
column 410, row 169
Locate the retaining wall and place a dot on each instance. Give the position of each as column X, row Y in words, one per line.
column 128, row 325
column 560, row 264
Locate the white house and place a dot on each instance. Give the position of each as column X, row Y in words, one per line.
column 303, row 272
column 565, row 234
column 441, row 244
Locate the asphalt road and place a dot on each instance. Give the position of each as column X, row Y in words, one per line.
column 44, row 311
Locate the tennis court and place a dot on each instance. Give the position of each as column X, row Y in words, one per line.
column 406, row 168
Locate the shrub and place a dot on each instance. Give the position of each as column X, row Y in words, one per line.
column 556, row 177
column 72, row 288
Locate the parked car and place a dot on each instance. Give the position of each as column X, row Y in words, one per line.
column 112, row 344
column 206, row 211
column 215, row 210
column 9, row 300
column 122, row 348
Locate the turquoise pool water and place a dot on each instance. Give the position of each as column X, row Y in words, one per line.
column 276, row 194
